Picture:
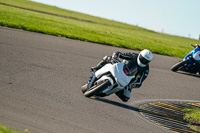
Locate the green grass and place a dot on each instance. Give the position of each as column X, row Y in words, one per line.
column 4, row 129
column 193, row 117
column 89, row 28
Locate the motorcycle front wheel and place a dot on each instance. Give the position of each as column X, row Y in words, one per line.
column 178, row 65
column 97, row 88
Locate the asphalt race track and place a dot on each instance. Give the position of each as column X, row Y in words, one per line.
column 40, row 80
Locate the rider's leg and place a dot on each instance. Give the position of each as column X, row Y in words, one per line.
column 124, row 94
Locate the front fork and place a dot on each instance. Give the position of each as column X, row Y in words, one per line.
column 91, row 81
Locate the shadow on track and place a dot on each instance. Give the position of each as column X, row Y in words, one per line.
column 117, row 104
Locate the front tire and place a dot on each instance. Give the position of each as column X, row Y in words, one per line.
column 96, row 89
column 84, row 88
column 176, row 67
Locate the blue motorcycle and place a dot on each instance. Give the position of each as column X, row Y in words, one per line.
column 190, row 63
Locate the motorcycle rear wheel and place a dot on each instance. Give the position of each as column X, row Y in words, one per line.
column 94, row 90
column 176, row 67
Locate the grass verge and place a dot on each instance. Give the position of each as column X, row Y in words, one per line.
column 4, row 129
column 192, row 116
column 32, row 16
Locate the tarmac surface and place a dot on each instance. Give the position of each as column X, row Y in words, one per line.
column 41, row 77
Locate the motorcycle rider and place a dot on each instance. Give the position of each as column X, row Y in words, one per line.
column 141, row 61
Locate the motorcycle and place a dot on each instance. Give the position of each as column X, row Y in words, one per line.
column 190, row 62
column 109, row 79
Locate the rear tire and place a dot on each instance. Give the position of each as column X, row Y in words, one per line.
column 175, row 67
column 96, row 89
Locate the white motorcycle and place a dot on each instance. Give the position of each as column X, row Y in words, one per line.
column 110, row 79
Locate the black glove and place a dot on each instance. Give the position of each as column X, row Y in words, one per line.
column 107, row 58
column 131, row 86
column 116, row 55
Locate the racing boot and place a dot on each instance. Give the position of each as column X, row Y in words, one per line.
column 124, row 94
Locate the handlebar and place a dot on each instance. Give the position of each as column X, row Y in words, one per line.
column 193, row 45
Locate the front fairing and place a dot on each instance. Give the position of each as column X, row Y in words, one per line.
column 120, row 76
column 189, row 55
column 193, row 55
column 196, row 55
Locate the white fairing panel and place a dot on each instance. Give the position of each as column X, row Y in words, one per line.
column 103, row 70
column 120, row 76
column 117, row 72
column 196, row 56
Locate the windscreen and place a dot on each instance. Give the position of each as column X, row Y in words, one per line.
column 130, row 69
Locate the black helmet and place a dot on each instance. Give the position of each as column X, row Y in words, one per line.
column 130, row 68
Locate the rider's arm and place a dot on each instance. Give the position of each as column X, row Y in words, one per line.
column 140, row 79
column 125, row 56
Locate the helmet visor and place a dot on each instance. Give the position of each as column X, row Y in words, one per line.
column 130, row 69
column 143, row 60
